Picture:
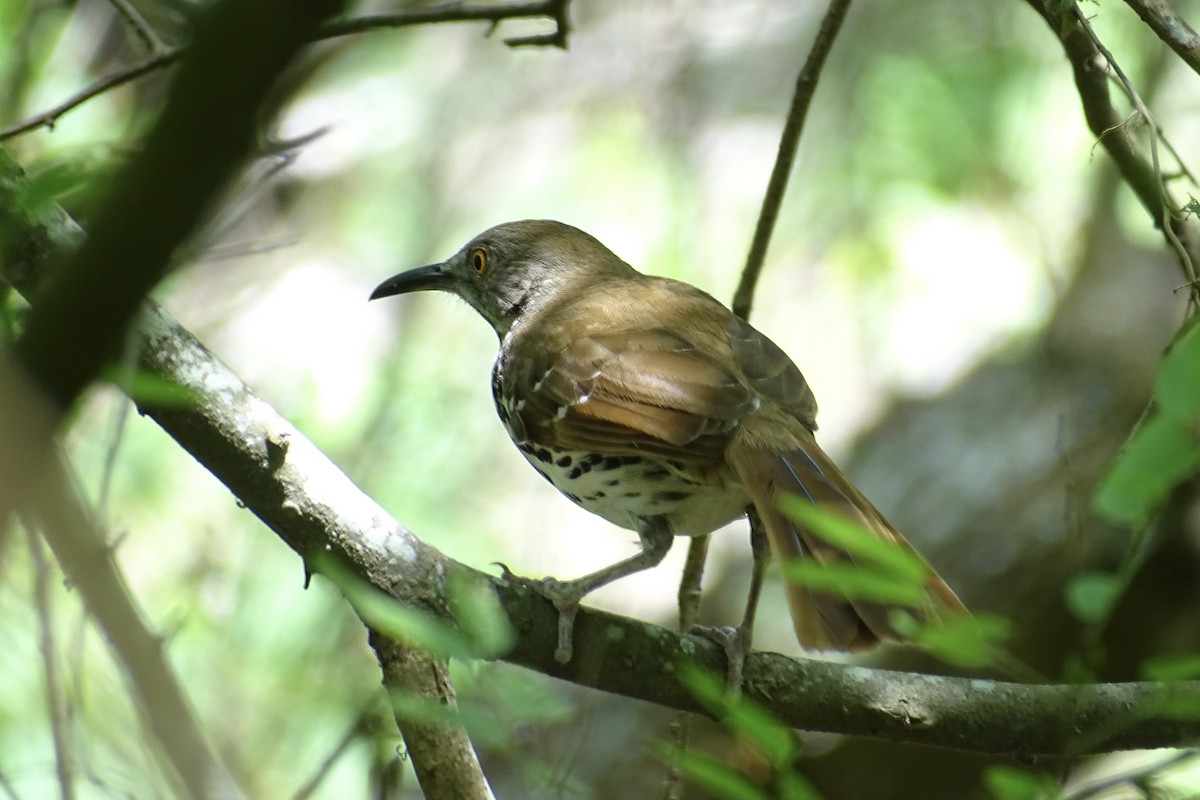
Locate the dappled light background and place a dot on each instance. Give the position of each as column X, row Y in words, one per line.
column 949, row 224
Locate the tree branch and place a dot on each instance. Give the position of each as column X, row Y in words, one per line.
column 1171, row 28
column 33, row 479
column 1112, row 132
column 449, row 12
column 789, row 142
column 442, row 754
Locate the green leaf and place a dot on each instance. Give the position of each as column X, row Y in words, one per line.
column 856, row 582
column 713, row 776
column 481, row 619
column 1181, row 667
column 855, row 539
column 962, row 640
column 773, row 739
column 1091, row 595
column 792, row 786
column 148, row 388
column 1010, row 783
column 1162, row 453
column 414, row 627
column 1178, row 383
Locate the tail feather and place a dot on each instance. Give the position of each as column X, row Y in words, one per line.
column 825, row 620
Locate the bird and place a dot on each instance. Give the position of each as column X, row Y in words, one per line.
column 646, row 401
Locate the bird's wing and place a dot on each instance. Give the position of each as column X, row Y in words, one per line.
column 633, row 392
column 770, row 371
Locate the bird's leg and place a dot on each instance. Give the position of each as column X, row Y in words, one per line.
column 655, row 536
column 736, row 642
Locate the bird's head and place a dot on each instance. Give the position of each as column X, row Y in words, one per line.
column 513, row 270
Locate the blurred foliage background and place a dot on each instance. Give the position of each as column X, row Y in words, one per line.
column 978, row 304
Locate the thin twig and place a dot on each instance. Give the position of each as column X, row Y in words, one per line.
column 47, row 118
column 1136, row 170
column 134, row 19
column 64, row 762
column 450, row 12
column 323, row 769
column 1167, row 208
column 1171, row 28
column 689, row 612
column 789, row 141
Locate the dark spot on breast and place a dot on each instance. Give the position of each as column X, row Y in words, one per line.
column 633, row 494
column 592, row 458
column 575, row 473
column 672, row 497
column 564, row 462
column 612, row 462
column 656, row 473
column 543, row 455
column 612, row 482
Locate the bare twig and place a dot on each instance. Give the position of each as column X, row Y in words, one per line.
column 47, row 118
column 450, row 12
column 1171, row 28
column 134, row 19
column 1167, row 209
column 323, row 769
column 35, row 482
column 689, row 612
column 64, row 761
column 789, row 141
column 1139, row 173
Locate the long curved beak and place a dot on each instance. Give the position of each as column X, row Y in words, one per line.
column 433, row 276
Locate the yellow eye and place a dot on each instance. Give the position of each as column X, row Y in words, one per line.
column 478, row 261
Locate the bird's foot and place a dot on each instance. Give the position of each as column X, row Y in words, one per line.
column 565, row 596
column 736, row 644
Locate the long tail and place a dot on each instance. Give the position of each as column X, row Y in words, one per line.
column 825, row 620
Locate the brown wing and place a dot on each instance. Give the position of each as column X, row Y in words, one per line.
column 769, row 370
column 631, row 393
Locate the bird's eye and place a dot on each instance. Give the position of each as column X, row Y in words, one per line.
column 478, row 261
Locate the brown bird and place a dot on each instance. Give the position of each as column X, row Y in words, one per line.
column 646, row 401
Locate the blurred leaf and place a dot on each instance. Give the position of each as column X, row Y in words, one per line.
column 412, row 626
column 962, row 640
column 857, row 582
column 712, row 775
column 484, row 728
column 792, row 786
column 146, row 387
column 854, row 538
column 1161, row 453
column 1090, row 595
column 1178, row 384
column 1010, row 783
column 1181, row 667
column 481, row 619
column 745, row 718
column 67, row 180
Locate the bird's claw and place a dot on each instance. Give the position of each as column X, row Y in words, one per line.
column 736, row 644
column 565, row 596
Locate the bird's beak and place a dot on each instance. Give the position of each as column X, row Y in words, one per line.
column 433, row 276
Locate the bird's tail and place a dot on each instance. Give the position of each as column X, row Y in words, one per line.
column 826, row 619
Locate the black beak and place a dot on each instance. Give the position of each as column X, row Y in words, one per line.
column 420, row 279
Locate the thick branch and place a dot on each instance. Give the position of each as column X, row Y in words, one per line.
column 442, row 755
